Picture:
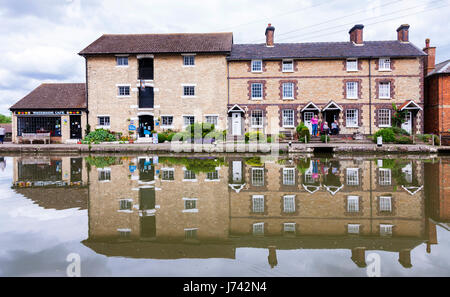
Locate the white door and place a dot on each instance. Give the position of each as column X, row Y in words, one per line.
column 236, row 124
column 237, row 171
column 407, row 125
column 307, row 116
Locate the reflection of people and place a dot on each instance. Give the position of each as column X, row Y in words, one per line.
column 2, row 163
column 2, row 134
column 314, row 122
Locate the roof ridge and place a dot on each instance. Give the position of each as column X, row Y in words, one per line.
column 320, row 42
column 180, row 33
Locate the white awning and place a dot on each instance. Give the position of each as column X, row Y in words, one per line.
column 410, row 105
column 310, row 106
column 236, row 108
column 332, row 106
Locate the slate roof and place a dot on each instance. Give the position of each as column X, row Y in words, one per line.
column 160, row 43
column 441, row 68
column 323, row 50
column 54, row 96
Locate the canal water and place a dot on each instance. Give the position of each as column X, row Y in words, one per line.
column 225, row 216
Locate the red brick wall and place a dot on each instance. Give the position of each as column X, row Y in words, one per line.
column 437, row 98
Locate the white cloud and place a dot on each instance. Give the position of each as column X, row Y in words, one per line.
column 41, row 39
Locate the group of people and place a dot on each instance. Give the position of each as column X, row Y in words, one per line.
column 323, row 126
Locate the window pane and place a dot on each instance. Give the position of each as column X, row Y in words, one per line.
column 289, row 204
column 257, row 65
column 188, row 60
column 351, row 118
column 384, row 90
column 167, row 120
column 257, row 118
column 352, row 90
column 288, row 118
column 352, row 204
column 288, row 65
column 124, row 90
column 352, row 176
column 258, row 204
column 122, row 61
column 258, row 177
column 288, row 90
column 212, row 120
column 384, row 118
column 289, row 176
column 352, row 65
column 257, row 90
column 189, row 91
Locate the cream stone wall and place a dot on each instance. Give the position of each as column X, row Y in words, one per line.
column 322, row 81
column 208, row 75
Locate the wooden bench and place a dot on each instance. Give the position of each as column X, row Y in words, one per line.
column 36, row 136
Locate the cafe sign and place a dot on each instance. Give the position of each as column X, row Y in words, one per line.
column 48, row 112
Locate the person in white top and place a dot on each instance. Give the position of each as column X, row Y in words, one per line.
column 2, row 134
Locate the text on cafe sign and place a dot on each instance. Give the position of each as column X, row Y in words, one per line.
column 48, row 112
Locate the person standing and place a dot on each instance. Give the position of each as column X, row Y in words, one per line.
column 2, row 134
column 314, row 123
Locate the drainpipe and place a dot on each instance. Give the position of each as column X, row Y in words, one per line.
column 370, row 97
column 87, row 96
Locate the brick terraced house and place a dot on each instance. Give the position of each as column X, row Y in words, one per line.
column 274, row 86
column 157, row 81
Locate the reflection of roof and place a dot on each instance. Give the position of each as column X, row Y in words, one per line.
column 57, row 198
column 159, row 250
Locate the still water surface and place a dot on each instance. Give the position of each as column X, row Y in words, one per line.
column 232, row 216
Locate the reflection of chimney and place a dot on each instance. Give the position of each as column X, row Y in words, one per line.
column 272, row 258
column 359, row 257
column 404, row 257
column 356, row 34
column 430, row 61
column 403, row 33
column 270, row 30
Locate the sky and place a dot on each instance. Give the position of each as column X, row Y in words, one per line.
column 41, row 39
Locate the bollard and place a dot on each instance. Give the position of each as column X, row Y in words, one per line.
column 432, row 137
column 379, row 141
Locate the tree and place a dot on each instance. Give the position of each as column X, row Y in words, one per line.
column 4, row 119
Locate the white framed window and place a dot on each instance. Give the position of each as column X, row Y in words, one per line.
column 352, row 65
column 385, row 203
column 104, row 174
column 352, row 90
column 125, row 204
column 353, row 228
column 288, row 66
column 257, row 91
column 289, row 204
column 212, row 119
column 103, row 121
column 289, row 227
column 188, row 120
column 352, row 176
column 258, row 229
column 257, row 118
column 189, row 175
column 288, row 118
column 190, row 205
column 122, row 61
column 189, row 60
column 288, row 90
column 384, row 176
column 168, row 174
column 384, row 118
column 351, row 118
column 123, row 91
column 190, row 233
column 258, row 177
column 289, row 176
column 166, row 121
column 352, row 204
column 384, row 64
column 386, row 229
column 212, row 176
column 188, row 91
column 384, row 90
column 258, row 203
column 256, row 65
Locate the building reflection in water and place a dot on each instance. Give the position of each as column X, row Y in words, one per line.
column 170, row 208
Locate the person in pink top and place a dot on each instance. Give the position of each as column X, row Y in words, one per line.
column 314, row 122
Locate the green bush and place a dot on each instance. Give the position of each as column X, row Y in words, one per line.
column 403, row 140
column 162, row 137
column 436, row 140
column 204, row 128
column 387, row 134
column 100, row 135
column 322, row 138
column 399, row 131
column 304, row 134
column 254, row 136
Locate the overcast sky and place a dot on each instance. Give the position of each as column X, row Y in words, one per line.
column 41, row 39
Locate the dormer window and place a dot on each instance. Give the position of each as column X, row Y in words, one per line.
column 288, row 66
column 384, row 64
column 352, row 65
column 189, row 60
column 256, row 65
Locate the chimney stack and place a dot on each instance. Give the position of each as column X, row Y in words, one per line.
column 430, row 60
column 356, row 34
column 269, row 35
column 403, row 33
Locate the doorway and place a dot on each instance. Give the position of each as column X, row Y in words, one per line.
column 75, row 127
column 407, row 125
column 330, row 116
column 236, row 123
column 145, row 125
column 307, row 116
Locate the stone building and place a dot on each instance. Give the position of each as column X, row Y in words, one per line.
column 147, row 82
column 274, row 86
column 437, row 93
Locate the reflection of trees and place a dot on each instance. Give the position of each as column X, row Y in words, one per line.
column 403, row 172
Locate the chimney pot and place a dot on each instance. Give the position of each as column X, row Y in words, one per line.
column 356, row 34
column 270, row 35
column 403, row 33
column 430, row 60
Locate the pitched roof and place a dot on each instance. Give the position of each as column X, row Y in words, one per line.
column 322, row 50
column 54, row 96
column 160, row 43
column 441, row 68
